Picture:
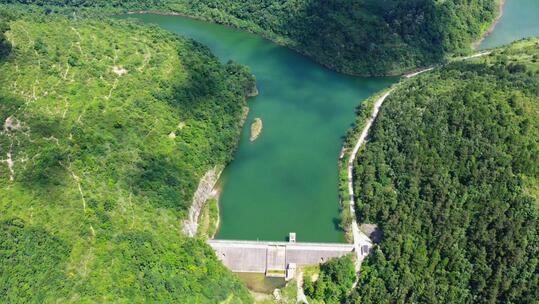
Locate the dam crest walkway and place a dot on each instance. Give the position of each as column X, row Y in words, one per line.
column 279, row 259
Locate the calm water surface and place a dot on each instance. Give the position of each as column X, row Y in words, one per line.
column 520, row 19
column 287, row 179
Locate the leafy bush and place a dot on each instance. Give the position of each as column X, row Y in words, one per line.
column 336, row 278
column 109, row 127
column 448, row 175
column 32, row 265
column 362, row 37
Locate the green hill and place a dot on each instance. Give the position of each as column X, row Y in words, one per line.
column 361, row 37
column 106, row 129
column 451, row 175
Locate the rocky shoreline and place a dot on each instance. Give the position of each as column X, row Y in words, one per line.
column 477, row 43
column 256, row 129
column 204, row 192
column 206, row 189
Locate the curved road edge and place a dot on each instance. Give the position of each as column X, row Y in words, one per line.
column 362, row 243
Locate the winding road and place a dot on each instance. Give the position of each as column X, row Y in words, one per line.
column 360, row 239
column 362, row 243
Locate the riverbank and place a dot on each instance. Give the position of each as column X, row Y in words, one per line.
column 367, row 114
column 370, row 112
column 280, row 40
column 203, row 209
column 205, row 191
column 402, row 183
column 491, row 28
column 364, row 113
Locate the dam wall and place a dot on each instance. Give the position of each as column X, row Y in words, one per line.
column 275, row 258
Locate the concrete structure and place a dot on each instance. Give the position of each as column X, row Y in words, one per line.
column 290, row 271
column 275, row 258
column 292, row 237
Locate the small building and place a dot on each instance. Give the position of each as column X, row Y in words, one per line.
column 276, row 259
column 365, row 250
column 290, row 271
column 292, row 237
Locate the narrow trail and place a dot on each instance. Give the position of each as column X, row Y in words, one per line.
column 418, row 72
column 360, row 239
column 300, row 294
column 362, row 243
column 476, row 55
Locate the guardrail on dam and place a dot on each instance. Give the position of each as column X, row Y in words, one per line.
column 278, row 259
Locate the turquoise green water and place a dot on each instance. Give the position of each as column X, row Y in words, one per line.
column 286, row 181
column 520, row 19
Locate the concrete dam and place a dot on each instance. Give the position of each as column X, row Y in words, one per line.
column 278, row 259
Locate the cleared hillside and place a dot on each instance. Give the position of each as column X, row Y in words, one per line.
column 106, row 129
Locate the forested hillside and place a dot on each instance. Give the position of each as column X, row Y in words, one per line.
column 5, row 46
column 365, row 37
column 362, row 37
column 106, row 129
column 451, row 176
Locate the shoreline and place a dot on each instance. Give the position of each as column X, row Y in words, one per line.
column 203, row 193
column 269, row 38
column 264, row 35
column 217, row 196
column 348, row 159
column 491, row 28
column 218, row 187
column 212, row 178
column 360, row 239
column 254, row 91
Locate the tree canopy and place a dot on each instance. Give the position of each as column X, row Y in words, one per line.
column 107, row 128
column 361, row 37
column 450, row 174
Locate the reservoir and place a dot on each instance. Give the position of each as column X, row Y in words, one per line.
column 520, row 19
column 286, row 180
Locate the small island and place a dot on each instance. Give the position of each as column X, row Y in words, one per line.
column 256, row 129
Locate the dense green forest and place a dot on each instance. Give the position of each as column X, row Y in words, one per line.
column 362, row 37
column 334, row 282
column 106, row 129
column 451, row 175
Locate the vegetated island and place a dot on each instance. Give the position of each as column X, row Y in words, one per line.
column 451, row 176
column 395, row 36
column 256, row 129
column 93, row 189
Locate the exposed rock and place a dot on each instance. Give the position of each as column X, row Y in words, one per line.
column 277, row 294
column 253, row 92
column 202, row 194
column 10, row 164
column 119, row 70
column 11, row 124
column 256, row 128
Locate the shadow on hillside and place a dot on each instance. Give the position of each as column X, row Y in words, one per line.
column 369, row 37
column 5, row 46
